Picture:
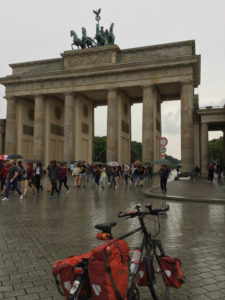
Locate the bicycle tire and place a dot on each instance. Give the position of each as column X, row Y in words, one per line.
column 78, row 295
column 157, row 286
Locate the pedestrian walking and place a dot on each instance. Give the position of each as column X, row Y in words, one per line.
column 4, row 176
column 97, row 175
column 141, row 170
column 63, row 178
column 164, row 174
column 38, row 172
column 102, row 180
column 82, row 175
column 29, row 179
column 88, row 173
column 126, row 173
column 20, row 173
column 211, row 171
column 117, row 177
column 219, row 171
column 1, row 174
column 76, row 174
column 54, row 175
column 12, row 180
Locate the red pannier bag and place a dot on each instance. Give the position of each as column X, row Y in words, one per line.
column 142, row 279
column 171, row 271
column 67, row 274
column 108, row 271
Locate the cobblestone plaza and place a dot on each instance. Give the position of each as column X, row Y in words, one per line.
column 37, row 231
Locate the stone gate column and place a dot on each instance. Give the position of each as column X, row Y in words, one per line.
column 112, row 126
column 187, row 152
column 11, row 130
column 204, row 149
column 69, row 128
column 148, row 124
column 39, row 124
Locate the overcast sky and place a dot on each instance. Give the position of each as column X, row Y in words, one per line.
column 34, row 30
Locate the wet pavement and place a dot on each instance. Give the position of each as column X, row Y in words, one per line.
column 199, row 190
column 35, row 232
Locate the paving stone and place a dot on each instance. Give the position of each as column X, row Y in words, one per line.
column 50, row 230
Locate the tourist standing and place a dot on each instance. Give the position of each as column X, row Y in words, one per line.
column 12, row 179
column 164, row 174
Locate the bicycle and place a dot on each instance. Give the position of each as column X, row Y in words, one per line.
column 151, row 251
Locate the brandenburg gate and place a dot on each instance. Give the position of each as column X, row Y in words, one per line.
column 50, row 103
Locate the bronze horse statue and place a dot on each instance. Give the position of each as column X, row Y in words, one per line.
column 87, row 41
column 76, row 41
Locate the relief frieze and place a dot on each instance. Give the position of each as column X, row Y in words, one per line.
column 88, row 59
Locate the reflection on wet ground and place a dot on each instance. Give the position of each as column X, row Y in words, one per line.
column 37, row 231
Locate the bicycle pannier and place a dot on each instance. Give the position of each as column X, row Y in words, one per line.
column 171, row 271
column 67, row 274
column 142, row 274
column 108, row 271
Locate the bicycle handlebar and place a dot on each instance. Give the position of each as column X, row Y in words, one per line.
column 153, row 212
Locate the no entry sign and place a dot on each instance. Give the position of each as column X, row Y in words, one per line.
column 163, row 141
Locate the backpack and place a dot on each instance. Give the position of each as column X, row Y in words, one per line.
column 171, row 271
column 67, row 273
column 108, row 271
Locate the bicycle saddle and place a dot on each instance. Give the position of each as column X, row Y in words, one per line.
column 106, row 227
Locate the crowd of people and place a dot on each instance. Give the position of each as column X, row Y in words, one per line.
column 104, row 174
column 217, row 168
column 21, row 178
column 28, row 177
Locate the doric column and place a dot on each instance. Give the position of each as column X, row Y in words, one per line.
column 11, row 130
column 148, row 124
column 69, row 127
column 204, row 149
column 187, row 152
column 112, row 126
column 39, row 124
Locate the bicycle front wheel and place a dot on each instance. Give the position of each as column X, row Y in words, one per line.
column 157, row 286
column 83, row 292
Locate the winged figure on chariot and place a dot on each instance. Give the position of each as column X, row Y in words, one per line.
column 102, row 37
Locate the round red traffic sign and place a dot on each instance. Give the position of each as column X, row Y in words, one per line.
column 163, row 141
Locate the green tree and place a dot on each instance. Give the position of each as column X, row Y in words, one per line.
column 100, row 148
column 216, row 149
column 136, row 151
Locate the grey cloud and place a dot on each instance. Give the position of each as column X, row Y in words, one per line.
column 171, row 123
